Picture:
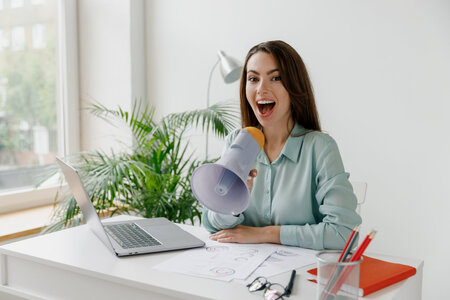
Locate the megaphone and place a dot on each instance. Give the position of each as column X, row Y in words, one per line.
column 222, row 186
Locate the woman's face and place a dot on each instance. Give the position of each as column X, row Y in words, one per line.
column 266, row 93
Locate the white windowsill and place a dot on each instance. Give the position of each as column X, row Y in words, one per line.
column 26, row 212
column 27, row 198
column 20, row 224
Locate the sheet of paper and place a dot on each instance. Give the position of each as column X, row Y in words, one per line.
column 219, row 260
column 284, row 259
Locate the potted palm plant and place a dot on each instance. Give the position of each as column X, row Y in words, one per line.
column 151, row 178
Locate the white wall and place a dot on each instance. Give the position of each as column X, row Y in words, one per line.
column 381, row 72
column 104, row 67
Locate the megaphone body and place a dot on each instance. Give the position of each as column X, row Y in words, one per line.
column 222, row 186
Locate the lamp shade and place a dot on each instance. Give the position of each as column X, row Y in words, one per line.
column 230, row 67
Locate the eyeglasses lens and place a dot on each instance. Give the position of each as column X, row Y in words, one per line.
column 274, row 292
column 257, row 284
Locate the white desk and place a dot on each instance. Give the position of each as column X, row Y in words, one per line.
column 74, row 264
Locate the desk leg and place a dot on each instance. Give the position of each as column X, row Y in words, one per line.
column 3, row 278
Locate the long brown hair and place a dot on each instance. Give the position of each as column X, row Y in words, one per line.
column 295, row 79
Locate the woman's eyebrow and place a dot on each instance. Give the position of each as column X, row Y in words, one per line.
column 268, row 72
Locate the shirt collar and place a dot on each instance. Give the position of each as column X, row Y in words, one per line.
column 292, row 147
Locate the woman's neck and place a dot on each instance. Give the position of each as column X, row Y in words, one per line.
column 275, row 138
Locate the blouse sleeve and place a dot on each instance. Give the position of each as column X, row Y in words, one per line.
column 336, row 216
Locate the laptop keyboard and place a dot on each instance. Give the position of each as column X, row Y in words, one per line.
column 129, row 235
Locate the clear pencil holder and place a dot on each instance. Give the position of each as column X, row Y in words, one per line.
column 336, row 280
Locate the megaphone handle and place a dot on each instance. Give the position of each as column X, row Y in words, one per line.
column 225, row 182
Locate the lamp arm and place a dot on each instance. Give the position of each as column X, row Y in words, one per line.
column 209, row 82
column 207, row 103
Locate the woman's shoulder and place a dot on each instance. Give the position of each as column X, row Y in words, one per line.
column 318, row 137
column 324, row 151
column 318, row 140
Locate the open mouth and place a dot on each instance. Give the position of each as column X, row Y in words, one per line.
column 265, row 107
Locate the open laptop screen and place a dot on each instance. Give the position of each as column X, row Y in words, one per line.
column 82, row 198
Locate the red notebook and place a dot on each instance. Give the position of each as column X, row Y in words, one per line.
column 375, row 274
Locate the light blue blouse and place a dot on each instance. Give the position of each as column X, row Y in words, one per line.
column 305, row 190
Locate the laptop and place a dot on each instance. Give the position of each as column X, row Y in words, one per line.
column 133, row 237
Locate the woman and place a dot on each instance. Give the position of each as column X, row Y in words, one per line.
column 301, row 195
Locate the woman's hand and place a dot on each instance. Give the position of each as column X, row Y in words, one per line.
column 248, row 235
column 251, row 176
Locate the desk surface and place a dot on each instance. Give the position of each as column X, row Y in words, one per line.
column 74, row 264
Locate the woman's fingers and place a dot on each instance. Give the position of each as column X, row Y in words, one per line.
column 221, row 236
column 225, row 240
column 240, row 234
column 251, row 176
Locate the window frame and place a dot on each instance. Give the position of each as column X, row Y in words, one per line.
column 68, row 110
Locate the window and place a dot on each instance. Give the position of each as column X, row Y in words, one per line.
column 4, row 43
column 16, row 3
column 38, row 36
column 18, row 38
column 36, row 91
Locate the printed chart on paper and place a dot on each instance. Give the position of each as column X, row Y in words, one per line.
column 219, row 261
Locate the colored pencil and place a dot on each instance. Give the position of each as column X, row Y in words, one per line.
column 346, row 249
column 337, row 270
column 355, row 257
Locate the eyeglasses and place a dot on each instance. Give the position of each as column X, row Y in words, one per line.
column 272, row 291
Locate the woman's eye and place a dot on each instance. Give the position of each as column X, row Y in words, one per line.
column 276, row 78
column 252, row 79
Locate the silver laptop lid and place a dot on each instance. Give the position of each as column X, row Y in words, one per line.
column 82, row 198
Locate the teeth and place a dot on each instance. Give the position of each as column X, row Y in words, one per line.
column 265, row 102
